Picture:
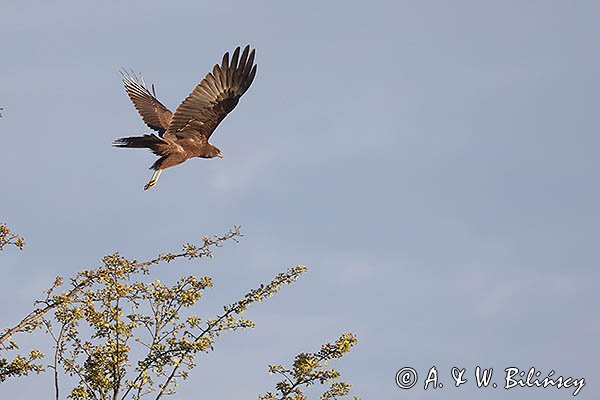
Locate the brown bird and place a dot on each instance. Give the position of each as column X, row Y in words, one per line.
column 185, row 133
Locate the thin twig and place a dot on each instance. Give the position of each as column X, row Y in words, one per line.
column 56, row 356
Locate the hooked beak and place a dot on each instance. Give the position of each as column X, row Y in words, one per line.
column 220, row 155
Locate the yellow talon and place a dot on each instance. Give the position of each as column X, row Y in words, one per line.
column 153, row 180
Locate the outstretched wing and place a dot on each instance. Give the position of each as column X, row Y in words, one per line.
column 214, row 97
column 152, row 111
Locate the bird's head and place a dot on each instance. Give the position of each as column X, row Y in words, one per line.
column 215, row 152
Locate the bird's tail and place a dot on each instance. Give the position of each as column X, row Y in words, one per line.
column 140, row 142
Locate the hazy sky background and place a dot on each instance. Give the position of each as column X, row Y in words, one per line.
column 434, row 164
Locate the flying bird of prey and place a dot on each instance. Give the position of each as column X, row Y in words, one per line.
column 184, row 134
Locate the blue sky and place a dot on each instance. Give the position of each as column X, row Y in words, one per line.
column 435, row 165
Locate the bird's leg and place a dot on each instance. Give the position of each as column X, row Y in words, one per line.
column 154, row 180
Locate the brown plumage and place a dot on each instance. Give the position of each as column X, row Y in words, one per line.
column 185, row 133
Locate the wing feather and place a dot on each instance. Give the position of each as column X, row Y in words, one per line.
column 242, row 65
column 212, row 82
column 234, row 58
column 214, row 97
column 152, row 111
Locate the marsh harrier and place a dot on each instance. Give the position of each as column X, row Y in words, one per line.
column 185, row 133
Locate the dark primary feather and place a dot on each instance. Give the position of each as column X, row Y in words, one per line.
column 152, row 111
column 213, row 98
